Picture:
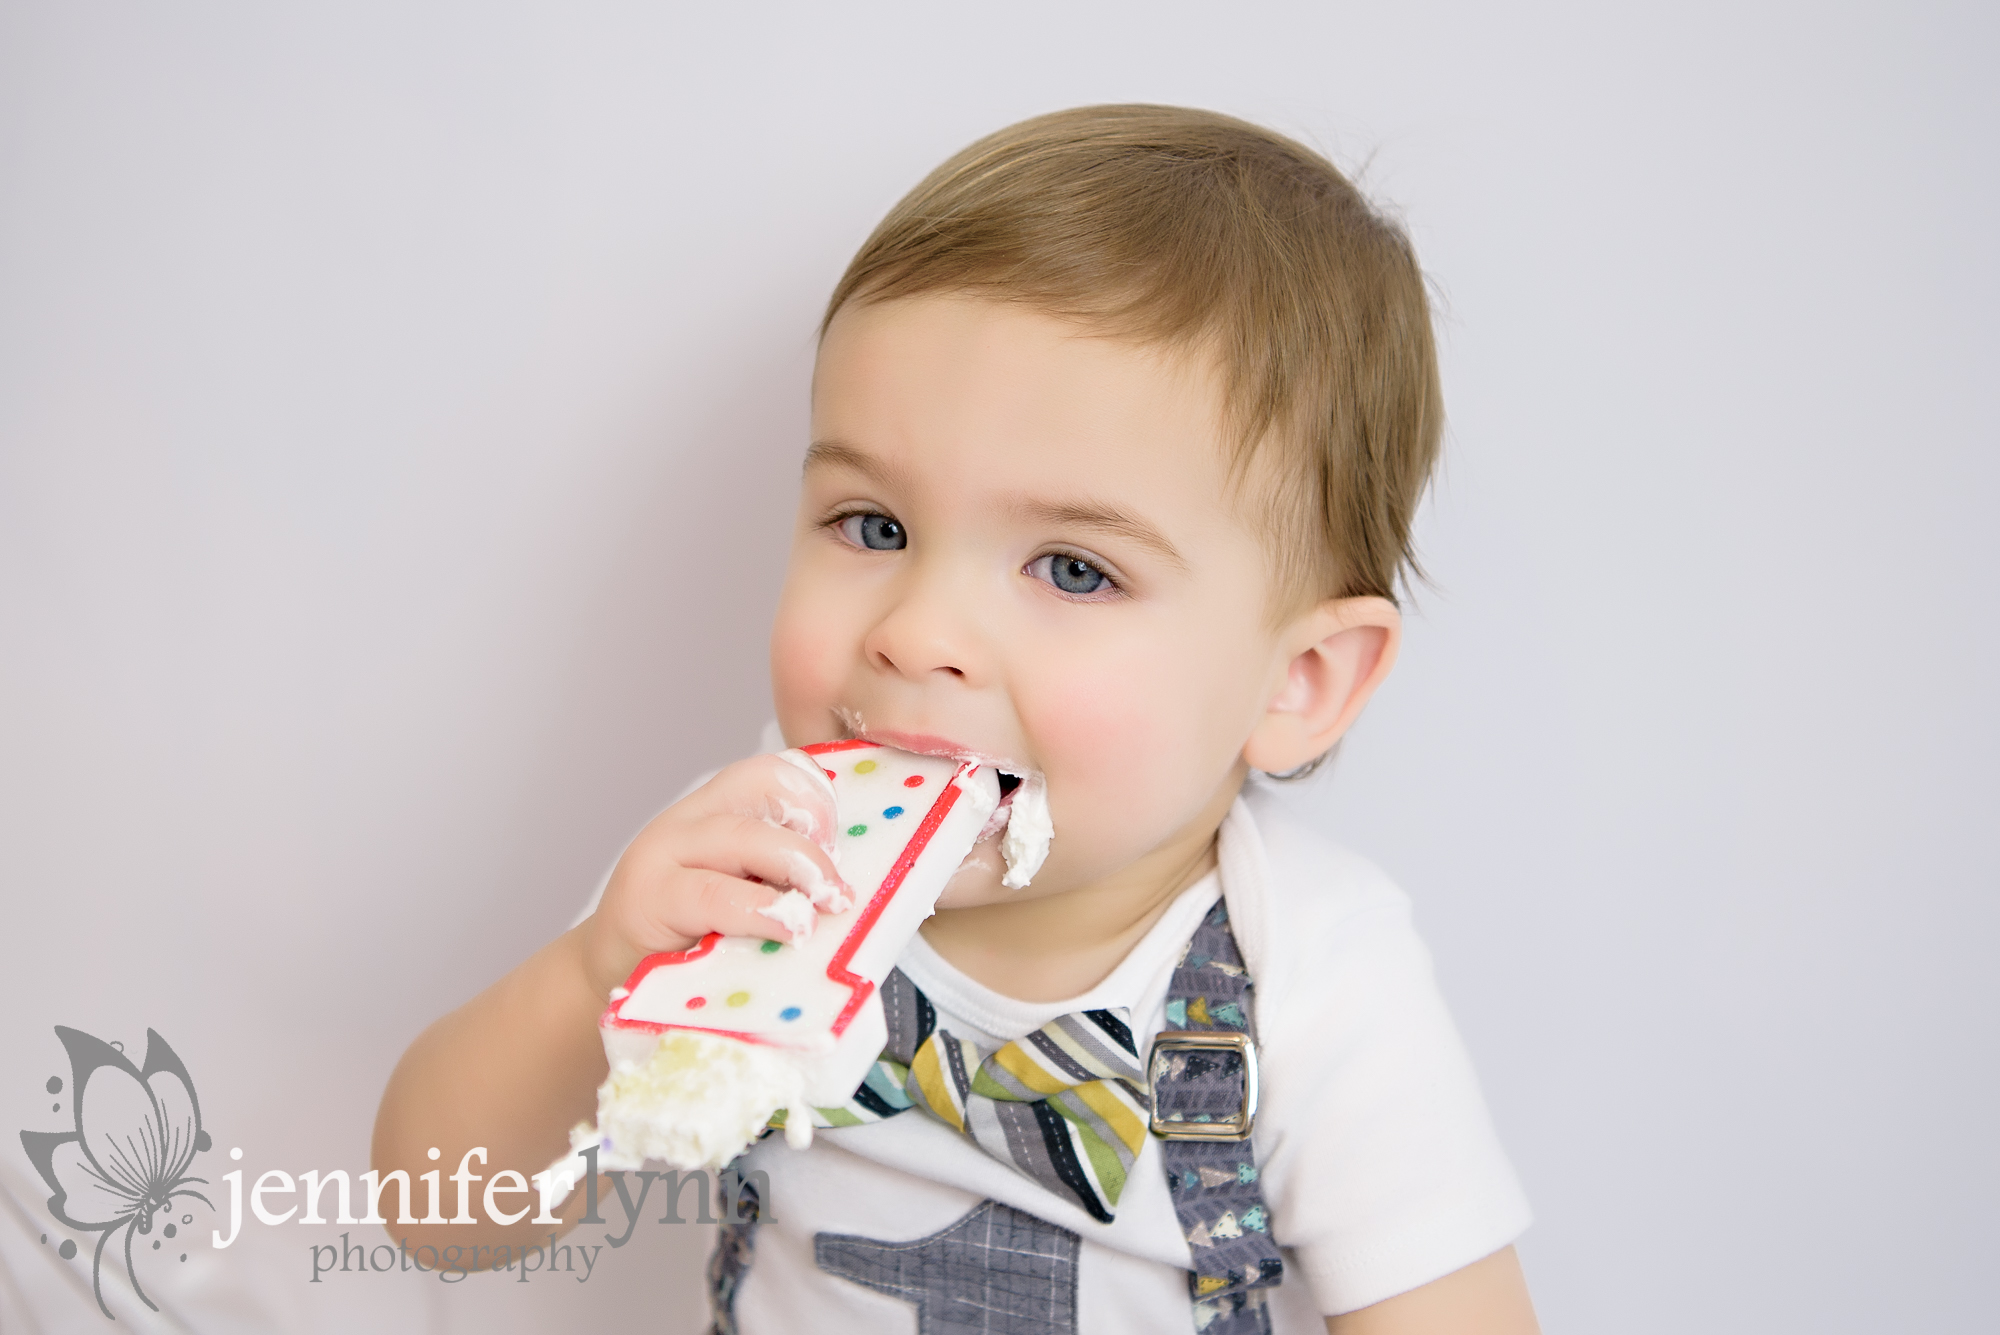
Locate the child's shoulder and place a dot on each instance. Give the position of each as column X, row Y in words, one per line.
column 1308, row 913
column 1375, row 1149
column 1304, row 865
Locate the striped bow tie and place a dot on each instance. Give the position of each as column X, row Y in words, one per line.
column 1065, row 1105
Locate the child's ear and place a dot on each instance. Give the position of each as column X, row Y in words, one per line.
column 1334, row 657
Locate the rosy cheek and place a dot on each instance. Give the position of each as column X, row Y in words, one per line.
column 807, row 654
column 1120, row 693
column 1100, row 727
column 1112, row 733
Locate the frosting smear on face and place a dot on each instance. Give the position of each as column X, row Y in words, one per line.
column 1029, row 830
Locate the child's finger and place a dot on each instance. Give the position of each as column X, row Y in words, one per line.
column 744, row 847
column 712, row 901
column 788, row 790
column 816, row 802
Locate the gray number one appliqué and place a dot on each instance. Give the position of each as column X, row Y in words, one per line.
column 997, row 1271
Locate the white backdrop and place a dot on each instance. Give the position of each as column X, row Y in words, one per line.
column 399, row 407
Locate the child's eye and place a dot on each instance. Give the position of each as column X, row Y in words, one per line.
column 1070, row 574
column 876, row 532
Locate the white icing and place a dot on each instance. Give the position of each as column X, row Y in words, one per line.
column 795, row 913
column 803, row 778
column 1029, row 830
column 696, row 1102
column 798, row 820
column 806, row 877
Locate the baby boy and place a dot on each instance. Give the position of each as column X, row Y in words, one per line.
column 1118, row 425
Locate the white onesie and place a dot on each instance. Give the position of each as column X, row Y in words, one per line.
column 1378, row 1159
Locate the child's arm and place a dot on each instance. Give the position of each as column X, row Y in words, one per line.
column 1488, row 1297
column 516, row 1067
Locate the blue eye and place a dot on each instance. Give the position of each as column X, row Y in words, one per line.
column 1071, row 574
column 878, row 533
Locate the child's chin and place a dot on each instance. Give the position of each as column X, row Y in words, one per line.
column 977, row 880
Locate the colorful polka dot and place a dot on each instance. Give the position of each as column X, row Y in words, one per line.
column 829, row 774
column 865, row 767
column 738, row 998
column 856, row 831
column 696, row 1003
column 790, row 1013
column 890, row 813
column 914, row 781
column 772, row 947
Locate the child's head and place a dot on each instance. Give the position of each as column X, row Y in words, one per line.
column 1119, row 422
column 1203, row 234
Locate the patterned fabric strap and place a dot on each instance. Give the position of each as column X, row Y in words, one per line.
column 729, row 1263
column 1065, row 1105
column 1214, row 1183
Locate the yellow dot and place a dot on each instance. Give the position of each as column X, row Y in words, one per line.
column 738, row 998
column 865, row 767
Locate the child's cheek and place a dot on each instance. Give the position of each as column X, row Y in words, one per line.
column 1114, row 736
column 806, row 668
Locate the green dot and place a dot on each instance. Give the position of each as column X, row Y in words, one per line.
column 738, row 998
column 853, row 830
column 771, row 947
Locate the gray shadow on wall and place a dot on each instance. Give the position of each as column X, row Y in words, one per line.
column 662, row 675
column 667, row 672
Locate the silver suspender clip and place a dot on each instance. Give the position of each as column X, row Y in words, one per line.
column 1176, row 1126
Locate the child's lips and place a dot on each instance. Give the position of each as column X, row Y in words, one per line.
column 922, row 743
column 929, row 744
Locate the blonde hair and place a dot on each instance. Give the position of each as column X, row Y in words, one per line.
column 1195, row 230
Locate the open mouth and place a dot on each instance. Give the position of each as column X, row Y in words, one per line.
column 925, row 744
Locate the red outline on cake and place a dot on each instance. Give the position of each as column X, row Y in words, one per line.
column 828, row 748
column 860, row 989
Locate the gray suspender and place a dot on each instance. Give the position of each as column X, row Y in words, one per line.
column 1203, row 1074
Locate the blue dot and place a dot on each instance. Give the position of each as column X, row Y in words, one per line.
column 789, row 1013
column 892, row 812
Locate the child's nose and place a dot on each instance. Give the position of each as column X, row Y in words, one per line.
column 929, row 629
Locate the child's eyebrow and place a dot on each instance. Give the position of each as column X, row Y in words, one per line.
column 839, row 454
column 1097, row 518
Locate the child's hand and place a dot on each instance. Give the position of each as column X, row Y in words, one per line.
column 746, row 840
